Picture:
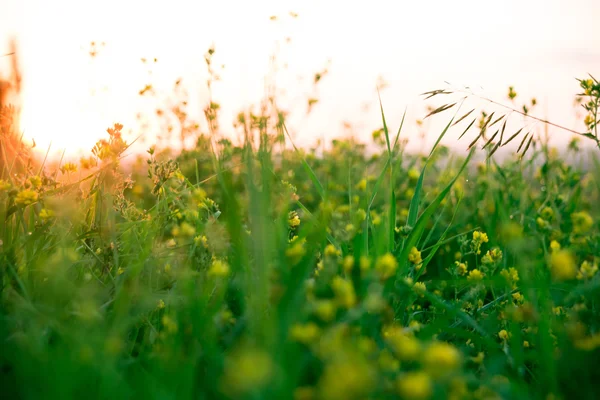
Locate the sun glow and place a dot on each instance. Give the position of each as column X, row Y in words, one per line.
column 73, row 91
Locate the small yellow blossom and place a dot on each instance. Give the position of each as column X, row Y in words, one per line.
column 295, row 252
column 413, row 175
column 201, row 240
column 557, row 310
column 582, row 222
column 348, row 264
column 344, row 292
column 35, row 181
column 46, row 214
column 305, row 333
column 348, row 377
column 415, row 386
column 562, row 265
column 587, row 270
column 245, row 370
column 478, row 359
column 511, row 275
column 26, row 197
column 404, row 346
column 68, row 167
column 441, row 358
column 293, row 219
column 475, row 275
column 554, row 246
column 386, row 266
column 4, row 185
column 184, row 230
column 332, row 251
column 325, row 310
column 361, row 215
column 375, row 218
column 414, row 256
column 219, row 269
column 419, row 288
column 461, row 268
column 478, row 239
column 492, row 256
column 362, row 185
column 364, row 263
column 517, row 296
column 503, row 334
column 547, row 213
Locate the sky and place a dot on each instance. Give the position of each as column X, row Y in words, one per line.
column 70, row 98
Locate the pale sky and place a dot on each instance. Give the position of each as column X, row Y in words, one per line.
column 539, row 46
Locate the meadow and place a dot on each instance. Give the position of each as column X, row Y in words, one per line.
column 264, row 271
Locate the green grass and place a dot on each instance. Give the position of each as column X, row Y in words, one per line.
column 256, row 272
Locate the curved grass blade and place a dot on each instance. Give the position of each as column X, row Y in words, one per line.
column 419, row 227
column 307, row 168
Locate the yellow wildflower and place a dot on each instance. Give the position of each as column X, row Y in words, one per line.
column 4, row 185
column 305, row 333
column 475, row 275
column 348, row 377
column 441, row 358
column 344, row 292
column 461, row 268
column 405, row 346
column 419, row 288
column 492, row 256
column 348, row 264
column 68, row 167
column 562, row 265
column 325, row 310
column 245, row 370
column 587, row 270
column 219, row 269
column 362, row 185
column 414, row 256
column 293, row 219
column 364, row 263
column 295, row 252
column 478, row 239
column 35, row 181
column 331, row 251
column 46, row 214
column 415, row 386
column 413, row 175
column 26, row 197
column 386, row 266
column 582, row 222
column 201, row 240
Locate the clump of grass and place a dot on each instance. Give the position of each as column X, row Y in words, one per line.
column 258, row 271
